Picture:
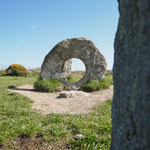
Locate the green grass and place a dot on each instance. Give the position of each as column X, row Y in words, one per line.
column 74, row 77
column 97, row 85
column 18, row 119
column 55, row 85
column 109, row 78
column 52, row 85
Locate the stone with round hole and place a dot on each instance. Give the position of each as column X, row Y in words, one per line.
column 81, row 48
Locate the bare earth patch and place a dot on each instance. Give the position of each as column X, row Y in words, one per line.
column 50, row 103
column 33, row 143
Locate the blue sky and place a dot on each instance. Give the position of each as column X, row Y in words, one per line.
column 29, row 29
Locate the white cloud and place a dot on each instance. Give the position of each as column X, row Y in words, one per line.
column 33, row 27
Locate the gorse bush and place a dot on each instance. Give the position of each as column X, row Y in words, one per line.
column 16, row 70
column 52, row 85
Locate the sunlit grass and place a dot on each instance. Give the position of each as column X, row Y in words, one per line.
column 75, row 76
column 18, row 119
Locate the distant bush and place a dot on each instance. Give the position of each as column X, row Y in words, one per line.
column 109, row 72
column 16, row 70
column 97, row 85
column 52, row 85
column 34, row 72
column 2, row 72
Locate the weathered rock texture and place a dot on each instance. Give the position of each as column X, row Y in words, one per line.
column 131, row 102
column 81, row 48
column 66, row 69
column 73, row 94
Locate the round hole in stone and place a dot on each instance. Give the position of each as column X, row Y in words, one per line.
column 75, row 71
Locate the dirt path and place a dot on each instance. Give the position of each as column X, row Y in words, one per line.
column 48, row 102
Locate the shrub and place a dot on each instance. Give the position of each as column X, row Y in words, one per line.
column 109, row 72
column 2, row 72
column 104, row 84
column 90, row 86
column 52, row 85
column 97, row 85
column 34, row 72
column 16, row 70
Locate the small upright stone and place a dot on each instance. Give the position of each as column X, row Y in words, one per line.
column 66, row 69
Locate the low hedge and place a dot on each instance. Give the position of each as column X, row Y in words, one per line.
column 55, row 85
column 52, row 85
column 97, row 85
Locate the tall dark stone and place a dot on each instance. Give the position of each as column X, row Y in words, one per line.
column 131, row 101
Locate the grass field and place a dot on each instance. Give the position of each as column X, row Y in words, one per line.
column 18, row 120
column 75, row 76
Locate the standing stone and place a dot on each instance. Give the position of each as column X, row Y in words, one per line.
column 66, row 68
column 81, row 48
column 131, row 101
